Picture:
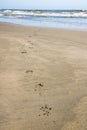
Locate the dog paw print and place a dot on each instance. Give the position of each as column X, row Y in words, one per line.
column 39, row 86
column 29, row 71
column 46, row 110
column 23, row 52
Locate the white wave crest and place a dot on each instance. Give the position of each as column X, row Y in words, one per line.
column 66, row 14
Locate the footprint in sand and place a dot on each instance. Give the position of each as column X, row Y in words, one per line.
column 29, row 71
column 31, row 47
column 31, row 43
column 23, row 52
column 40, row 84
column 46, row 110
column 39, row 88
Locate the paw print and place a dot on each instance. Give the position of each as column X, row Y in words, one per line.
column 46, row 110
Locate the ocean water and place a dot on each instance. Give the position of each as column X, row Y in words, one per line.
column 70, row 19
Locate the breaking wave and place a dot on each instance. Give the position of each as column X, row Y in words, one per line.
column 45, row 13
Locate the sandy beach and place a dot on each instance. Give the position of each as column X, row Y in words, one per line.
column 43, row 78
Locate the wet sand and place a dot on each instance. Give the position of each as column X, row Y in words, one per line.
column 43, row 78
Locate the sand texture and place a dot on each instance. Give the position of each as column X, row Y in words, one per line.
column 43, row 78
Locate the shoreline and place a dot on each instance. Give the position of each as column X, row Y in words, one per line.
column 44, row 28
column 43, row 78
column 61, row 28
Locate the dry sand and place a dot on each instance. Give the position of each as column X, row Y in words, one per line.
column 43, row 78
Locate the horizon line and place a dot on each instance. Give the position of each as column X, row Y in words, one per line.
column 37, row 9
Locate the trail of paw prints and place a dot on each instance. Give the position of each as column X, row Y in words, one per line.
column 31, row 44
column 45, row 110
